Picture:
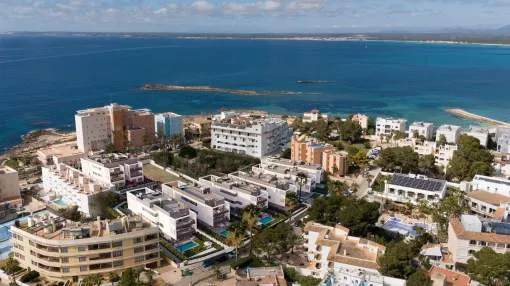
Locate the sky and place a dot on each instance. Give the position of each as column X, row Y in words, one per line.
column 250, row 16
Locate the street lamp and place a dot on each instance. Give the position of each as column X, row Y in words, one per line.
column 301, row 180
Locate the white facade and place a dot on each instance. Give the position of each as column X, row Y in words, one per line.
column 9, row 188
column 253, row 137
column 386, row 126
column 424, row 129
column 239, row 194
column 362, row 120
column 480, row 133
column 276, row 189
column 168, row 124
column 113, row 169
column 211, row 209
column 93, row 129
column 314, row 115
column 424, row 148
column 175, row 221
column 467, row 235
column 414, row 188
column 71, row 187
column 503, row 140
column 491, row 184
column 346, row 276
column 444, row 155
column 287, row 170
column 450, row 132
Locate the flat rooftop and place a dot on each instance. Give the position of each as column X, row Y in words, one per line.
column 229, row 183
column 169, row 114
column 58, row 228
column 428, row 184
column 64, row 149
column 152, row 198
column 203, row 195
column 111, row 160
column 492, row 180
column 488, row 197
column 447, row 127
column 265, row 180
column 76, row 179
column 290, row 164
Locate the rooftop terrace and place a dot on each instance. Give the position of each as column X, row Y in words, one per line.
column 203, row 195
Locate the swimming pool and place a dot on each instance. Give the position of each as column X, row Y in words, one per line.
column 5, row 235
column 60, row 202
column 224, row 233
column 183, row 247
column 265, row 220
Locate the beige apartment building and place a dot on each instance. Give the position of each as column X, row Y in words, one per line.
column 96, row 128
column 335, row 162
column 64, row 250
column 316, row 153
column 9, row 189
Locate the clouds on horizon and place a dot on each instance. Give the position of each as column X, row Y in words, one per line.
column 247, row 15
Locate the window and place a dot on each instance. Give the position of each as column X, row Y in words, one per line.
column 82, row 258
column 117, row 253
column 472, row 242
column 65, row 259
column 63, row 249
column 65, row 269
column 118, row 263
column 84, row 268
column 138, row 249
column 137, row 240
column 471, row 251
column 139, row 259
column 117, row 244
column 82, row 248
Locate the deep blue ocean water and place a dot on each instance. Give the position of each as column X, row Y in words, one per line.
column 44, row 80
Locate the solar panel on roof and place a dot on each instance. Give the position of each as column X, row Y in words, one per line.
column 417, row 183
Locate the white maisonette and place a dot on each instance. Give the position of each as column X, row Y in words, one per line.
column 503, row 140
column 113, row 169
column 256, row 137
column 421, row 129
column 444, row 155
column 480, row 133
column 238, row 193
column 386, row 126
column 211, row 210
column 485, row 195
column 66, row 186
column 450, row 132
column 175, row 221
column 413, row 189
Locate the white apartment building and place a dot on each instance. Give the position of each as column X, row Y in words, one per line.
column 450, row 132
column 253, row 137
column 113, row 169
column 414, row 188
column 238, row 194
column 424, row 148
column 421, row 129
column 490, row 184
column 480, row 133
column 332, row 250
column 484, row 195
column 211, row 210
column 285, row 169
column 362, row 120
column 356, row 277
column 175, row 221
column 65, row 186
column 314, row 115
column 276, row 188
column 10, row 197
column 444, row 155
column 386, row 126
column 168, row 124
column 468, row 234
column 503, row 140
column 93, row 129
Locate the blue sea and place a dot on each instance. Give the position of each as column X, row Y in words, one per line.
column 45, row 79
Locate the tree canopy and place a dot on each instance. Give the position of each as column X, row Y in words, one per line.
column 274, row 241
column 419, row 278
column 489, row 268
column 402, row 159
column 470, row 159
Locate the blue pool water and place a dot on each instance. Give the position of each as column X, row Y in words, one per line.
column 61, row 203
column 224, row 233
column 266, row 220
column 183, row 247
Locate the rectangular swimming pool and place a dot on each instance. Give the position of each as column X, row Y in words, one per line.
column 183, row 247
column 60, row 202
column 266, row 220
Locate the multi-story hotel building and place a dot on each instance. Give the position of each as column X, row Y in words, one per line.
column 113, row 169
column 176, row 221
column 211, row 210
column 10, row 197
column 287, row 170
column 254, row 137
column 450, row 132
column 386, row 126
column 238, row 194
column 64, row 250
column 424, row 129
column 468, row 234
column 68, row 186
column 480, row 133
column 444, row 154
column 332, row 250
column 335, row 162
column 307, row 150
column 168, row 124
column 96, row 128
column 413, row 189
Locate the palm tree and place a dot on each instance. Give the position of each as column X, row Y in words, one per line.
column 250, row 220
column 301, row 179
column 235, row 239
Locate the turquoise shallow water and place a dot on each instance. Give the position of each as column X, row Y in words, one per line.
column 43, row 80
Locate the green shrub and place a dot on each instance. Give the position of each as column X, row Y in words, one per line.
column 29, row 276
